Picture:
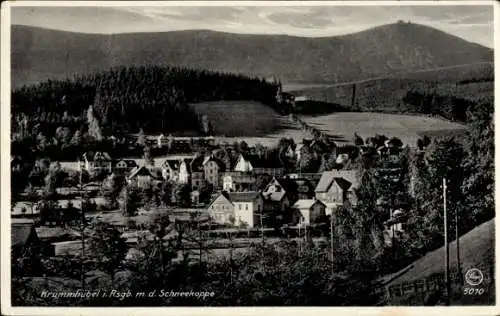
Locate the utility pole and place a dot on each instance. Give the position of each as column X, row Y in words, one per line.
column 446, row 247
column 353, row 96
column 262, row 235
column 331, row 237
column 300, row 240
column 457, row 240
column 82, row 229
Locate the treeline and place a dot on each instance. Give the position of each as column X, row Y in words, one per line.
column 446, row 106
column 127, row 98
column 489, row 78
column 408, row 96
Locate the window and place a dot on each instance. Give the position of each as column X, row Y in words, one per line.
column 239, row 206
column 246, row 206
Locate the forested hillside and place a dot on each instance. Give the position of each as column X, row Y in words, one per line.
column 125, row 99
column 39, row 54
column 448, row 99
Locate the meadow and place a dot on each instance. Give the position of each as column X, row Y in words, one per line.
column 409, row 128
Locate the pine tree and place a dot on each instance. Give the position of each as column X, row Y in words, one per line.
column 141, row 138
column 129, row 200
column 478, row 166
column 76, row 140
column 148, row 158
column 442, row 160
column 94, row 128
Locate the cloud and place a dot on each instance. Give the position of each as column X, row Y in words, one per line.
column 474, row 23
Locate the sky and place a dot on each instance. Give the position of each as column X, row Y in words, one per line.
column 473, row 23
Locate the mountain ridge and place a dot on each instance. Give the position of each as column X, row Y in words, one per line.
column 39, row 54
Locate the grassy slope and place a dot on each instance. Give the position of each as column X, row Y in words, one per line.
column 406, row 127
column 249, row 121
column 476, row 251
column 40, row 54
column 240, row 118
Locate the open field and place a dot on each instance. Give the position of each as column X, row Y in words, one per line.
column 408, row 128
column 241, row 118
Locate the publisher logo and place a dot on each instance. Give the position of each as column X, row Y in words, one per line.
column 474, row 277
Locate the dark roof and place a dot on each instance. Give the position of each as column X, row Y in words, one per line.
column 306, row 203
column 92, row 156
column 243, row 196
column 141, row 171
column 215, row 196
column 130, row 163
column 300, row 185
column 264, row 162
column 173, row 164
column 196, row 164
column 343, row 183
column 222, row 165
column 327, row 178
column 390, row 150
column 188, row 164
column 275, row 196
column 22, row 233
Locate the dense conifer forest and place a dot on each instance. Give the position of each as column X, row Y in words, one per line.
column 125, row 99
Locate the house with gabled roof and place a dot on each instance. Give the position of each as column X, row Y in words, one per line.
column 299, row 188
column 23, row 237
column 248, row 208
column 124, row 166
column 308, row 212
column 243, row 165
column 143, row 177
column 238, row 181
column 221, row 210
column 170, row 169
column 197, row 173
column 213, row 169
column 98, row 161
column 389, row 153
column 243, row 209
column 184, row 171
column 275, row 196
column 270, row 165
column 337, row 186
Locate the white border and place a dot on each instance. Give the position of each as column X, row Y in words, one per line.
column 6, row 308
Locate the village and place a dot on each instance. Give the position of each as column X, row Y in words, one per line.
column 247, row 193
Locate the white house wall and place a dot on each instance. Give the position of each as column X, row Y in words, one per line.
column 243, row 165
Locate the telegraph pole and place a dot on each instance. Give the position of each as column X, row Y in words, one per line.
column 457, row 240
column 446, row 246
column 331, row 236
column 83, row 229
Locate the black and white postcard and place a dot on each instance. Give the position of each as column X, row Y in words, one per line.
column 248, row 154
